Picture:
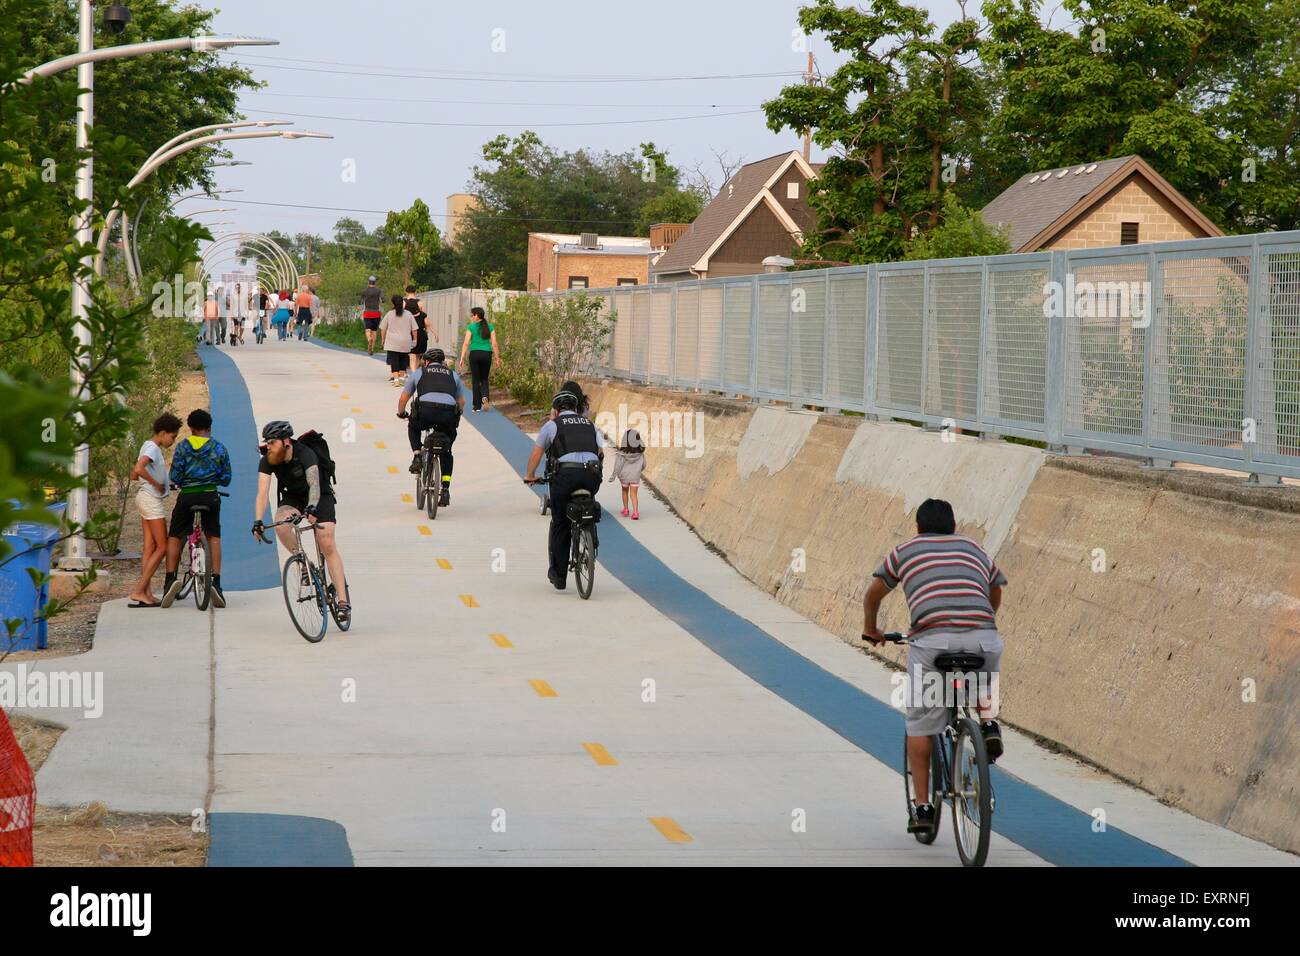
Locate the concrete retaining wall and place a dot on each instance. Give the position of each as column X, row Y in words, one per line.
column 1152, row 619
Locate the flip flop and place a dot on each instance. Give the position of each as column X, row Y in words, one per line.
column 138, row 604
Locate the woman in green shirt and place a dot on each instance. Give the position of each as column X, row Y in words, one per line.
column 481, row 346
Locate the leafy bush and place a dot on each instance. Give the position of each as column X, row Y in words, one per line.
column 350, row 333
column 545, row 342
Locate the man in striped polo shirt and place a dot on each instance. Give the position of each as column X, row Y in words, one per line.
column 953, row 590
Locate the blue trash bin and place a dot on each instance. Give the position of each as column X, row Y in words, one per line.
column 19, row 596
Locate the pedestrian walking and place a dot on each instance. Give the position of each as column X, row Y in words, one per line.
column 398, row 330
column 150, row 500
column 371, row 298
column 422, row 331
column 210, row 316
column 481, row 347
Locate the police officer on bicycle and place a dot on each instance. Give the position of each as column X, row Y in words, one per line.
column 572, row 445
column 439, row 402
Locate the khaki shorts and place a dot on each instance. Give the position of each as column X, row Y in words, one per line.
column 929, row 696
column 150, row 506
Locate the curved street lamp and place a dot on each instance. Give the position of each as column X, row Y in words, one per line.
column 286, row 270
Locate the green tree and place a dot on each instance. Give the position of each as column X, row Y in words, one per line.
column 1199, row 90
column 898, row 116
column 526, row 186
column 961, row 232
column 412, row 239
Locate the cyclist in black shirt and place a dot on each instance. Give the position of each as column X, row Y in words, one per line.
column 300, row 489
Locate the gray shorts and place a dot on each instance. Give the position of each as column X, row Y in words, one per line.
column 928, row 696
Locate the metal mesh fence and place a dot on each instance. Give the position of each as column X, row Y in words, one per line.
column 1184, row 351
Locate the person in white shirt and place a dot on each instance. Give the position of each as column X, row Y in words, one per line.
column 151, row 501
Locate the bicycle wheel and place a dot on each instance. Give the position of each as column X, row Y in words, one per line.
column 972, row 805
column 419, row 488
column 584, row 561
column 935, row 789
column 304, row 596
column 433, row 487
column 201, row 569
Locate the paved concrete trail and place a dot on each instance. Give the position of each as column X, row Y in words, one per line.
column 474, row 715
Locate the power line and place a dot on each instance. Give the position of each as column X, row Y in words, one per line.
column 439, row 215
column 464, row 102
column 627, row 122
column 522, row 78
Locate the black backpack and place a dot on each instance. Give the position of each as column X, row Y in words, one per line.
column 317, row 443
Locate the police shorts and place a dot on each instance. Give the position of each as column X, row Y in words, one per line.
column 929, row 697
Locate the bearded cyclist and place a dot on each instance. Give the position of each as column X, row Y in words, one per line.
column 300, row 489
column 439, row 402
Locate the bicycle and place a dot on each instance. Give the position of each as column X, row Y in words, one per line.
column 583, row 512
column 428, row 480
column 197, row 561
column 959, row 765
column 307, row 588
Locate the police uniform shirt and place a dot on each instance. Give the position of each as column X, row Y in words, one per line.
column 547, row 435
column 438, row 398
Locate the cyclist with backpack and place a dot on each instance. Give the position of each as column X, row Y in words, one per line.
column 304, row 474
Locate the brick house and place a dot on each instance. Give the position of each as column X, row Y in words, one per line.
column 1115, row 202
column 761, row 211
column 558, row 261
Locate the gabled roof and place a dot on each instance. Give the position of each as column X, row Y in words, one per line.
column 728, row 209
column 1039, row 206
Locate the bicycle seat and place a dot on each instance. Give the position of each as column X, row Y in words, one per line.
column 580, row 492
column 959, row 662
column 199, row 508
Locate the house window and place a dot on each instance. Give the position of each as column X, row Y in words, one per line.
column 627, row 282
column 792, row 190
column 1128, row 233
column 577, row 282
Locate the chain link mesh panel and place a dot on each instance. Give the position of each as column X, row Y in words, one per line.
column 899, row 334
column 1277, row 371
column 846, row 341
column 737, row 301
column 1105, row 354
column 808, row 335
column 1014, row 373
column 953, row 341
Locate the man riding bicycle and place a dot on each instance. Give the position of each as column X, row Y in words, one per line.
column 953, row 591
column 200, row 466
column 439, row 403
column 572, row 445
column 300, row 490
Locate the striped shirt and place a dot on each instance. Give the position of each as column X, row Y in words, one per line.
column 946, row 578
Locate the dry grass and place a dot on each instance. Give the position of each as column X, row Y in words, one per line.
column 94, row 836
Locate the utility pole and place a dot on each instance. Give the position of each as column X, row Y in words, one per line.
column 807, row 133
column 309, row 255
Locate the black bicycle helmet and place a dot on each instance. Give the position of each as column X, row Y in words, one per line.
column 273, row 430
column 437, row 356
column 565, row 401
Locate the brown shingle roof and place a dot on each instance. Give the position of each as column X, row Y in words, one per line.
column 1036, row 200
column 1038, row 206
column 719, row 214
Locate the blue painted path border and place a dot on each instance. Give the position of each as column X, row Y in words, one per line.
column 1037, row 821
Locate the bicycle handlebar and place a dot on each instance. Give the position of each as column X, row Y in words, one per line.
column 294, row 520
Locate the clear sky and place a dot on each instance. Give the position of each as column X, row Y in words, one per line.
column 379, row 69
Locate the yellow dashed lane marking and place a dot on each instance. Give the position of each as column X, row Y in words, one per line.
column 468, row 600
column 600, row 755
column 407, row 499
column 543, row 689
column 344, row 397
column 501, row 640
column 334, row 386
column 356, row 411
column 424, row 529
column 380, row 444
column 444, row 564
column 671, row 831
column 392, row 469
column 367, row 425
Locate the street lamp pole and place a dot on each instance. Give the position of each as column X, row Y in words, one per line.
column 74, row 557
